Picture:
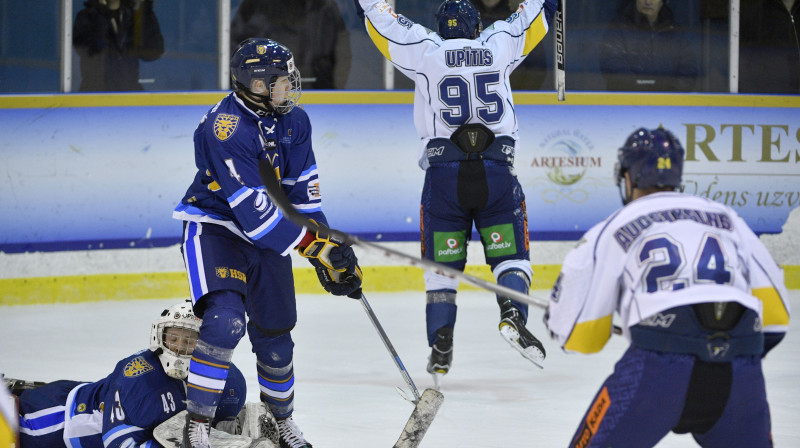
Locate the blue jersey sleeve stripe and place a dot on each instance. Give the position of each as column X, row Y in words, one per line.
column 308, row 208
column 265, row 228
column 194, row 211
column 308, row 174
column 44, row 421
column 117, row 432
column 240, row 195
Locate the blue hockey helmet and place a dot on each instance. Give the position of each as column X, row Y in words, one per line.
column 263, row 74
column 458, row 19
column 654, row 159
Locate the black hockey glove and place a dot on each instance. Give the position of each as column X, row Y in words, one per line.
column 340, row 283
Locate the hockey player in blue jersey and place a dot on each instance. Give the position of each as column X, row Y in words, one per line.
column 699, row 298
column 236, row 242
column 464, row 115
column 122, row 410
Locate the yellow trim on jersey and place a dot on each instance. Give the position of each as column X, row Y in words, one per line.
column 590, row 336
column 534, row 34
column 774, row 310
column 8, row 438
column 380, row 42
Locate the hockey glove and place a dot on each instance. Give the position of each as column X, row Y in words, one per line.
column 327, row 252
column 340, row 283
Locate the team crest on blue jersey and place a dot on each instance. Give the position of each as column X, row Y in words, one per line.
column 223, row 272
column 225, row 125
column 136, row 367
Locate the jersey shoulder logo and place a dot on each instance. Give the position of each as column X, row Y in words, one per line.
column 136, row 367
column 225, row 125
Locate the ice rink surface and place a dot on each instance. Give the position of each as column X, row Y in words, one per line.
column 345, row 378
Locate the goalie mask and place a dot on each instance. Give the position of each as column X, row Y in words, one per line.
column 264, row 76
column 458, row 19
column 173, row 337
column 654, row 159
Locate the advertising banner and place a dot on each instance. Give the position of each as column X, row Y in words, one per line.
column 108, row 177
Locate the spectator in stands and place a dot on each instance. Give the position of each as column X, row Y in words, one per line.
column 530, row 75
column 313, row 29
column 644, row 49
column 769, row 46
column 111, row 36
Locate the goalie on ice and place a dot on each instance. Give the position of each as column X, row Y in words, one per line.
column 124, row 408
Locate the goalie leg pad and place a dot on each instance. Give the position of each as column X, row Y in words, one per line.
column 170, row 433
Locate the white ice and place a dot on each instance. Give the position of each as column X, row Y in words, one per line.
column 345, row 378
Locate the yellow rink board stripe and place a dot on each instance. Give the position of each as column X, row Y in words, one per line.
column 397, row 97
column 103, row 287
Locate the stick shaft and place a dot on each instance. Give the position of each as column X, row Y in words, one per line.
column 385, row 338
column 560, row 43
column 278, row 197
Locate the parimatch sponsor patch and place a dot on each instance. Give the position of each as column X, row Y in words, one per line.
column 499, row 240
column 449, row 246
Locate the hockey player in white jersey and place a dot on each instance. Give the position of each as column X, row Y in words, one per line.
column 464, row 115
column 697, row 295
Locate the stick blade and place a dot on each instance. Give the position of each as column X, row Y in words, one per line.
column 421, row 419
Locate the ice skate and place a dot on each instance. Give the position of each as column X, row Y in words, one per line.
column 290, row 434
column 513, row 330
column 196, row 431
column 441, row 355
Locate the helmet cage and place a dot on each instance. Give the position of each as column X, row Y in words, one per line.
column 174, row 348
column 458, row 19
column 264, row 75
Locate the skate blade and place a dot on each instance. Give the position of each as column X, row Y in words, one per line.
column 437, row 380
column 532, row 354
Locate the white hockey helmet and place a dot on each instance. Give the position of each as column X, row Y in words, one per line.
column 173, row 337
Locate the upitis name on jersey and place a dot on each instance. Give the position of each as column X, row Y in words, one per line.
column 628, row 233
column 468, row 57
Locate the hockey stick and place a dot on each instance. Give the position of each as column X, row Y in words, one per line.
column 559, row 44
column 425, row 406
column 359, row 295
column 276, row 194
column 278, row 197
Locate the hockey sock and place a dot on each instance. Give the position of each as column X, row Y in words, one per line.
column 518, row 281
column 208, row 372
column 440, row 311
column 277, row 388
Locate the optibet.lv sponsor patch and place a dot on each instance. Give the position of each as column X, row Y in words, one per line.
column 449, row 246
column 499, row 240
